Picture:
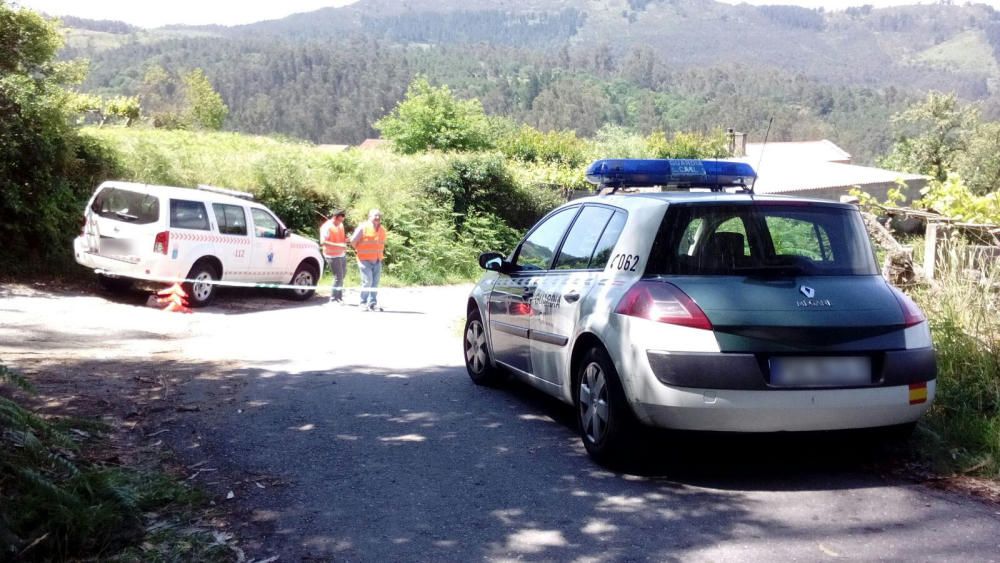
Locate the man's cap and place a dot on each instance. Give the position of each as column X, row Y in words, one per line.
column 338, row 212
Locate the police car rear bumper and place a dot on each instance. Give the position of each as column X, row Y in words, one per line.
column 787, row 410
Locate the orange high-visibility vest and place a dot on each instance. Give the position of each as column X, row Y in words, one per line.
column 334, row 234
column 371, row 245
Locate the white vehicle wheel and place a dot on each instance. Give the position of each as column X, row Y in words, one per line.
column 201, row 291
column 306, row 276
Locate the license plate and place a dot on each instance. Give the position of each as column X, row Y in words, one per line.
column 832, row 371
column 119, row 249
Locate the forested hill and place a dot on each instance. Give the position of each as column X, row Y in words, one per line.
column 577, row 64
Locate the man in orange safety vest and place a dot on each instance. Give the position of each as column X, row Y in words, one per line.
column 369, row 244
column 335, row 252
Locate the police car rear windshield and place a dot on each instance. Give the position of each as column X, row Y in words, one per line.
column 761, row 240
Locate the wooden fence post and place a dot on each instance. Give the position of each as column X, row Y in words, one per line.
column 930, row 249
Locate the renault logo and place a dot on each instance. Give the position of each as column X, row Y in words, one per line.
column 807, row 291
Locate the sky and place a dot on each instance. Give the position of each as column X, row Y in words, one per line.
column 201, row 12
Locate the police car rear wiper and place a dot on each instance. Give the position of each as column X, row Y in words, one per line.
column 126, row 216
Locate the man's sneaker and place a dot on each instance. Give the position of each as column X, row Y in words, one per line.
column 371, row 306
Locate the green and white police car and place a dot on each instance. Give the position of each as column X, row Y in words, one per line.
column 703, row 308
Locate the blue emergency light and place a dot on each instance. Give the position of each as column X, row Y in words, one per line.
column 715, row 175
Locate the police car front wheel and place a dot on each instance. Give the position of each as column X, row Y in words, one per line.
column 477, row 353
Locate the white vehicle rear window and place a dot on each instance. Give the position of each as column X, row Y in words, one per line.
column 232, row 219
column 185, row 214
column 126, row 205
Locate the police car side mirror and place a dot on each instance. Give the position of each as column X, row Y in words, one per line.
column 285, row 232
column 492, row 261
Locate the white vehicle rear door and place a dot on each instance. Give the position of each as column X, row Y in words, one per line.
column 122, row 224
column 231, row 220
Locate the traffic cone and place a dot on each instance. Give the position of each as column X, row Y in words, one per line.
column 175, row 299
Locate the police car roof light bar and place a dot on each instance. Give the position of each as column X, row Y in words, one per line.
column 225, row 191
column 716, row 175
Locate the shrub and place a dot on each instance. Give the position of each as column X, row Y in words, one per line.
column 482, row 183
column 55, row 506
column 431, row 118
column 46, row 171
column 281, row 185
column 687, row 145
column 964, row 422
column 556, row 147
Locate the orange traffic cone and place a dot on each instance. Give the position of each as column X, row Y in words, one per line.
column 175, row 299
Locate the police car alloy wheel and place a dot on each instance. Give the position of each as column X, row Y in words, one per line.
column 606, row 422
column 477, row 355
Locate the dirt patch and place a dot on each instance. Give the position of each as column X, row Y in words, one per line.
column 91, row 359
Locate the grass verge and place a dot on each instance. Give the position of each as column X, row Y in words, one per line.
column 56, row 503
column 961, row 433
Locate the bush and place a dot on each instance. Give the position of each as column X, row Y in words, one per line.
column 281, row 185
column 431, row 118
column 528, row 144
column 964, row 423
column 687, row 145
column 46, row 170
column 482, row 183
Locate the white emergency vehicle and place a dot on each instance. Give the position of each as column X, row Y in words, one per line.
column 161, row 233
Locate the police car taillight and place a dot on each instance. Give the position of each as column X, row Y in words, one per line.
column 664, row 303
column 162, row 242
column 912, row 315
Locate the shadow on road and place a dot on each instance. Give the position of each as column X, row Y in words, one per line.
column 383, row 463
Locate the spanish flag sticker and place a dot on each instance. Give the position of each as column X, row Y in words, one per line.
column 918, row 393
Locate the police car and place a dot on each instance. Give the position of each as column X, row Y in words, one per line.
column 703, row 308
column 141, row 231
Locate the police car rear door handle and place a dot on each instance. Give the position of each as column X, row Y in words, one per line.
column 571, row 297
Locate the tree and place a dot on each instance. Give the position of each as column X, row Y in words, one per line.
column 688, row 145
column 931, row 134
column 433, row 118
column 979, row 164
column 124, row 108
column 46, row 169
column 205, row 108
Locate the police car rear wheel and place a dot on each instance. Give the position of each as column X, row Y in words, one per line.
column 307, row 276
column 477, row 355
column 607, row 425
column 201, row 291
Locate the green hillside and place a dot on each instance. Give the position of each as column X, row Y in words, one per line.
column 968, row 51
column 328, row 75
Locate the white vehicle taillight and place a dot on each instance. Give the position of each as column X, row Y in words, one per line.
column 664, row 303
column 912, row 315
column 162, row 242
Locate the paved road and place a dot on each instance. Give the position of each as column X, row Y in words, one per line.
column 354, row 436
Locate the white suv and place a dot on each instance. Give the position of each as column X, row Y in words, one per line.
column 147, row 232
